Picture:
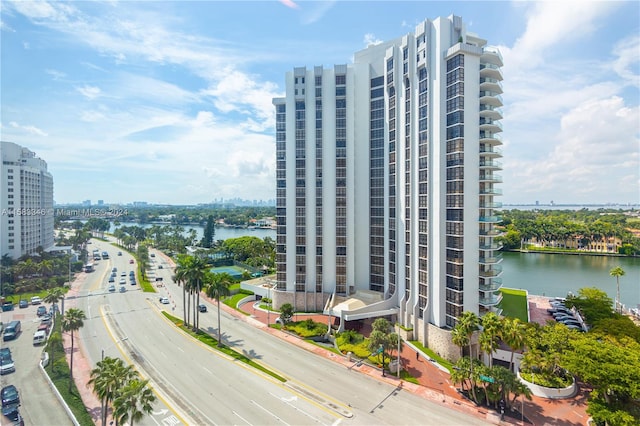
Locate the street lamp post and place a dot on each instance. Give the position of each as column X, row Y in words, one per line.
column 114, row 344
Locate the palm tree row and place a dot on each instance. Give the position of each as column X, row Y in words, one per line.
column 120, row 385
column 194, row 275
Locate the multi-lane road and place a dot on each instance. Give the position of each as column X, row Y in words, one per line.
column 197, row 385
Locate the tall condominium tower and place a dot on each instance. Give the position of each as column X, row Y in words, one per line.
column 26, row 202
column 386, row 181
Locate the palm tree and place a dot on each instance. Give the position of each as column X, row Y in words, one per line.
column 468, row 323
column 109, row 376
column 180, row 277
column 193, row 270
column 617, row 272
column 217, row 287
column 133, row 402
column 72, row 320
column 54, row 296
column 491, row 332
column 513, row 334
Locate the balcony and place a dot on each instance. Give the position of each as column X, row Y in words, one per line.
column 490, row 246
column 490, row 71
column 488, row 97
column 490, row 111
column 492, row 55
column 491, row 191
column 491, row 286
column 491, row 260
column 490, row 137
column 494, row 271
column 490, row 165
column 491, row 84
column 490, row 177
column 489, row 150
column 489, row 233
column 490, row 301
column 489, row 125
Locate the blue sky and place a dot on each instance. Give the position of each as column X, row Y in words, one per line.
column 170, row 102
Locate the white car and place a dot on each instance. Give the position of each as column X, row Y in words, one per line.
column 123, row 281
column 164, row 300
column 35, row 300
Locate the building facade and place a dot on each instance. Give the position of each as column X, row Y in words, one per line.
column 26, row 202
column 387, row 180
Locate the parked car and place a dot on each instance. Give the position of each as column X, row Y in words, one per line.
column 41, row 310
column 131, row 261
column 39, row 337
column 202, row 307
column 46, row 319
column 114, row 269
column 123, row 274
column 24, row 303
column 123, row 289
column 164, row 300
column 7, row 366
column 159, row 266
column 9, row 395
column 123, row 281
column 112, row 279
column 112, row 288
column 11, row 415
column 5, row 352
column 35, row 300
column 119, row 253
column 12, row 330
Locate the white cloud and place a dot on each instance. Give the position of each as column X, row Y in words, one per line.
column 371, row 40
column 627, row 62
column 29, row 129
column 55, row 74
column 89, row 92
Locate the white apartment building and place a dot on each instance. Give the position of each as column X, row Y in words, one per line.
column 26, row 202
column 387, row 182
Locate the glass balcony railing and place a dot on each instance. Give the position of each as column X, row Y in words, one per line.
column 491, row 246
column 495, row 271
column 489, row 232
column 488, row 149
column 491, row 260
column 491, row 177
column 490, row 66
column 491, row 205
column 491, row 191
column 490, row 164
column 491, row 301
column 493, row 286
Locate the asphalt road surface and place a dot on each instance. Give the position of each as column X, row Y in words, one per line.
column 198, row 385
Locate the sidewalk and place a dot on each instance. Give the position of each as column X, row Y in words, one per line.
column 434, row 383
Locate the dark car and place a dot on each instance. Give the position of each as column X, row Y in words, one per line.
column 42, row 310
column 9, row 395
column 5, row 352
column 202, row 308
column 23, row 303
column 11, row 415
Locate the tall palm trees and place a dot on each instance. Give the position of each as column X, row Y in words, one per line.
column 617, row 272
column 72, row 321
column 133, row 402
column 513, row 334
column 191, row 272
column 107, row 378
column 217, row 286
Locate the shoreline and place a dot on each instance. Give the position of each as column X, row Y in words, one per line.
column 572, row 253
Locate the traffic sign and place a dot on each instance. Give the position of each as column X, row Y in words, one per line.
column 487, row 379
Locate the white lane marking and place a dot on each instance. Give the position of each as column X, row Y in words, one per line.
column 242, row 418
column 267, row 411
column 289, row 401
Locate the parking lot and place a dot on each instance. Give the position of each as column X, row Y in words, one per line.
column 38, row 402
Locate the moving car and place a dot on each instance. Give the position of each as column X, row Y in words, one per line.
column 202, row 307
column 9, row 395
column 23, row 303
column 131, row 261
column 119, row 253
column 159, row 266
column 35, row 300
column 41, row 310
column 164, row 300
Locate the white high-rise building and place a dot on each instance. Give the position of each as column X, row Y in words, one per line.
column 386, row 182
column 26, row 202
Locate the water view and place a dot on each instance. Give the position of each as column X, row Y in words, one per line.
column 538, row 273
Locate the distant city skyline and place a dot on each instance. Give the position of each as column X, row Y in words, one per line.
column 170, row 102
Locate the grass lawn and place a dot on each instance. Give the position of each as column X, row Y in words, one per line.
column 514, row 304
